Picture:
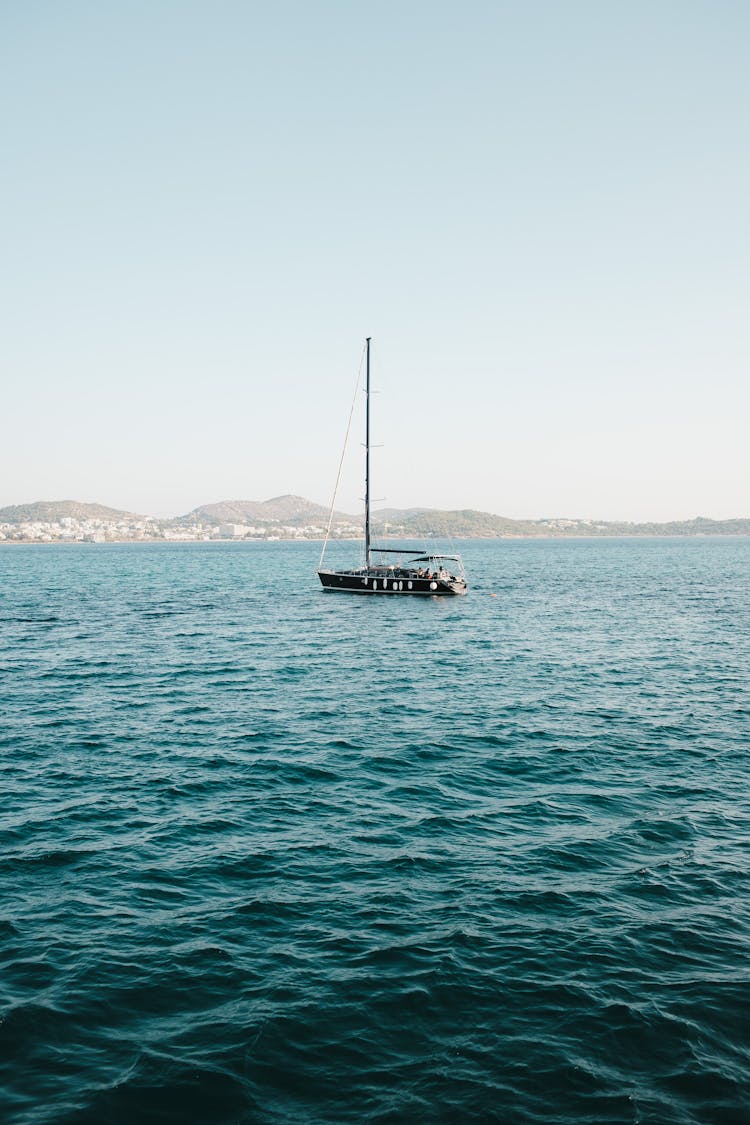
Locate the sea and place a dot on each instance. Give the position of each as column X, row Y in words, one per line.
column 271, row 854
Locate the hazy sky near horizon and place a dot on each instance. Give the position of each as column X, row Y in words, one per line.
column 539, row 212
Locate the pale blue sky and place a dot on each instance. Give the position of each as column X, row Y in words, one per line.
column 539, row 211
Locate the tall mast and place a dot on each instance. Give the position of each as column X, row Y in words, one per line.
column 367, row 459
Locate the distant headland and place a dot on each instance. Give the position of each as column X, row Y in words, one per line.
column 293, row 517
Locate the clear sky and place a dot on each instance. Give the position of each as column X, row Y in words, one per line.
column 539, row 211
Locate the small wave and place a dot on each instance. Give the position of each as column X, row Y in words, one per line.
column 42, row 619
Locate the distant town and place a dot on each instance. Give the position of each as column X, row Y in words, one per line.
column 294, row 518
column 69, row 521
column 70, row 530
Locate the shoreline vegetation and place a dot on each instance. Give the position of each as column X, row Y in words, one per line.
column 294, row 518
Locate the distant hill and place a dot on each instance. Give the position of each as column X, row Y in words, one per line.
column 466, row 523
column 296, row 512
column 50, row 511
column 698, row 526
column 292, row 510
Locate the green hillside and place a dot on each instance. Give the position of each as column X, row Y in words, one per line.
column 51, row 511
column 465, row 523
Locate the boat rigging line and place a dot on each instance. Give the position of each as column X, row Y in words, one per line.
column 343, row 453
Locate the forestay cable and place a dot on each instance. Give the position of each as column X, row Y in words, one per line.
column 343, row 455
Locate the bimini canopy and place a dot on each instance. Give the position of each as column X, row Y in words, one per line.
column 430, row 558
column 409, row 551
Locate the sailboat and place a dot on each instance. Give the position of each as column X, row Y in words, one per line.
column 396, row 570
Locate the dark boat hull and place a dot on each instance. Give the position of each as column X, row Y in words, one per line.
column 352, row 582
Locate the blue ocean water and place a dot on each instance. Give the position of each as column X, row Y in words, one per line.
column 275, row 855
